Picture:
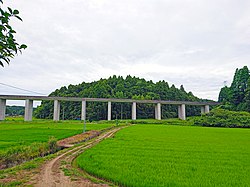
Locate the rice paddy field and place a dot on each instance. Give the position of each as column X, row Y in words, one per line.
column 17, row 132
column 165, row 155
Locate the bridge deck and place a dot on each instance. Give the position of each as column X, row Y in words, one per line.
column 47, row 98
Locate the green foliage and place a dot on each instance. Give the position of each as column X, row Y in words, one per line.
column 118, row 87
column 224, row 95
column 224, row 118
column 8, row 45
column 237, row 96
column 163, row 155
column 247, row 96
column 14, row 110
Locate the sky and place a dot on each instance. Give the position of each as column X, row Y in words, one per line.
column 195, row 43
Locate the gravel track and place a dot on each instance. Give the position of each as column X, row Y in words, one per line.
column 52, row 174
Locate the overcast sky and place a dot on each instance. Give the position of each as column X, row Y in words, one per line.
column 197, row 43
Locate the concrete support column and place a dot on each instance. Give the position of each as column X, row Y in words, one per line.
column 205, row 109
column 56, row 116
column 28, row 110
column 83, row 114
column 202, row 109
column 159, row 111
column 156, row 112
column 2, row 109
column 109, row 110
column 134, row 111
column 182, row 112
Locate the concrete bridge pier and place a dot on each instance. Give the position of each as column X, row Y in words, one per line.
column 205, row 109
column 156, row 115
column 134, row 111
column 56, row 116
column 83, row 114
column 2, row 109
column 28, row 110
column 158, row 111
column 182, row 112
column 109, row 110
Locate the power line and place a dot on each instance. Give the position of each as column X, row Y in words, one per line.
column 21, row 89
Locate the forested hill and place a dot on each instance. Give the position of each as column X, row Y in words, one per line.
column 237, row 96
column 118, row 87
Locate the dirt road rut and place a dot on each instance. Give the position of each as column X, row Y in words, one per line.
column 52, row 174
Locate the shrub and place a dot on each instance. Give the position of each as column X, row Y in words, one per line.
column 224, row 118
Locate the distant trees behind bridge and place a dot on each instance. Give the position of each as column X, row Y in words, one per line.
column 118, row 87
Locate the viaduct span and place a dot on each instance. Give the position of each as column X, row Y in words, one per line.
column 29, row 105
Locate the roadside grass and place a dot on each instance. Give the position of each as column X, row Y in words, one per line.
column 164, row 155
column 20, row 174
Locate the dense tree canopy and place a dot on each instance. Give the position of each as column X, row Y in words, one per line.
column 8, row 45
column 237, row 96
column 14, row 110
column 118, row 87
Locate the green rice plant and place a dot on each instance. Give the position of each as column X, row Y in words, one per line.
column 21, row 141
column 168, row 155
column 15, row 133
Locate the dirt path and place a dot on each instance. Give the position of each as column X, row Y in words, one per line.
column 52, row 174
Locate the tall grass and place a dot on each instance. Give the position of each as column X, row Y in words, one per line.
column 22, row 153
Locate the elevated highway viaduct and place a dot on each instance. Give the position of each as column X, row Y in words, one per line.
column 56, row 116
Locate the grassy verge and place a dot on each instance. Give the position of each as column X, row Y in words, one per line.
column 19, row 154
column 160, row 155
column 20, row 174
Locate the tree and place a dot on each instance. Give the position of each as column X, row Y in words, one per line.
column 118, row 87
column 224, row 95
column 247, row 96
column 8, row 45
column 239, row 85
column 182, row 88
column 237, row 96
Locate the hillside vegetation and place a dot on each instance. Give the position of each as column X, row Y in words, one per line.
column 118, row 87
column 237, row 96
